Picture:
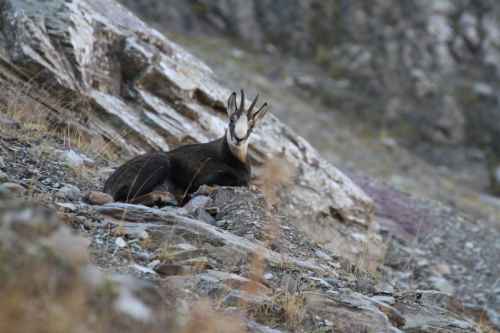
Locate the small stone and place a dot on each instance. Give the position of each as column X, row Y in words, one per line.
column 268, row 276
column 422, row 262
column 390, row 300
column 199, row 201
column 212, row 210
column 129, row 304
column 199, row 263
column 154, row 263
column 98, row 198
column 143, row 235
column 120, row 242
column 75, row 159
column 135, row 232
column 221, row 223
column 202, row 215
column 69, row 192
column 171, row 269
column 237, row 297
column 442, row 269
column 469, row 245
column 358, row 237
column 442, row 284
column 67, row 206
column 185, row 247
column 143, row 269
column 173, row 256
column 31, row 222
column 3, row 177
column 322, row 255
column 384, row 288
column 12, row 189
column 70, row 245
column 8, row 121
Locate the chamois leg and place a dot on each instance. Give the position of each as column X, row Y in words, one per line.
column 155, row 198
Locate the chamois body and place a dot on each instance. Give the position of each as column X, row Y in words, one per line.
column 180, row 171
column 183, row 170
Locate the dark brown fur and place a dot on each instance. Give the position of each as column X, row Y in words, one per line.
column 180, row 171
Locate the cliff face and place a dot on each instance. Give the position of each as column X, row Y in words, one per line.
column 306, row 263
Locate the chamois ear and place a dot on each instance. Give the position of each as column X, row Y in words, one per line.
column 231, row 105
column 259, row 114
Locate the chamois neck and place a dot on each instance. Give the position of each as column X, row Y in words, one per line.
column 240, row 151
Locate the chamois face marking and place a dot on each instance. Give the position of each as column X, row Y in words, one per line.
column 241, row 124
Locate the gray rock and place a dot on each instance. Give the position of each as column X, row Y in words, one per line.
column 3, row 177
column 202, row 215
column 7, row 121
column 430, row 311
column 29, row 222
column 199, row 201
column 442, row 284
column 12, row 190
column 69, row 192
column 98, row 198
column 200, row 231
column 237, row 297
column 75, row 159
column 120, row 242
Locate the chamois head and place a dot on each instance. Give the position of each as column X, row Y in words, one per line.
column 241, row 124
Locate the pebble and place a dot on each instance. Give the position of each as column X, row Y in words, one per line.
column 322, row 255
column 185, row 247
column 154, row 263
column 358, row 237
column 202, row 215
column 199, row 201
column 12, row 189
column 68, row 206
column 98, row 198
column 442, row 284
column 3, row 177
column 171, row 269
column 69, row 192
column 390, row 300
column 442, row 269
column 268, row 276
column 120, row 242
column 75, row 159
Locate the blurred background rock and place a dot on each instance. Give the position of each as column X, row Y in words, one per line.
column 423, row 74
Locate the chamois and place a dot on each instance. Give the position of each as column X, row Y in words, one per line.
column 160, row 177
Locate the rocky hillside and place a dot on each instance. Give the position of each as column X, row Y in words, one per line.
column 85, row 85
column 425, row 72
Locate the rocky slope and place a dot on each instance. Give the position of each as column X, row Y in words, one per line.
column 300, row 253
column 425, row 72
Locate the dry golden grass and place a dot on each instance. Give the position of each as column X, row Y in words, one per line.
column 203, row 318
column 39, row 115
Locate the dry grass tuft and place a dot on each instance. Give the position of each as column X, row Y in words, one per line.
column 32, row 113
column 276, row 174
column 203, row 318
